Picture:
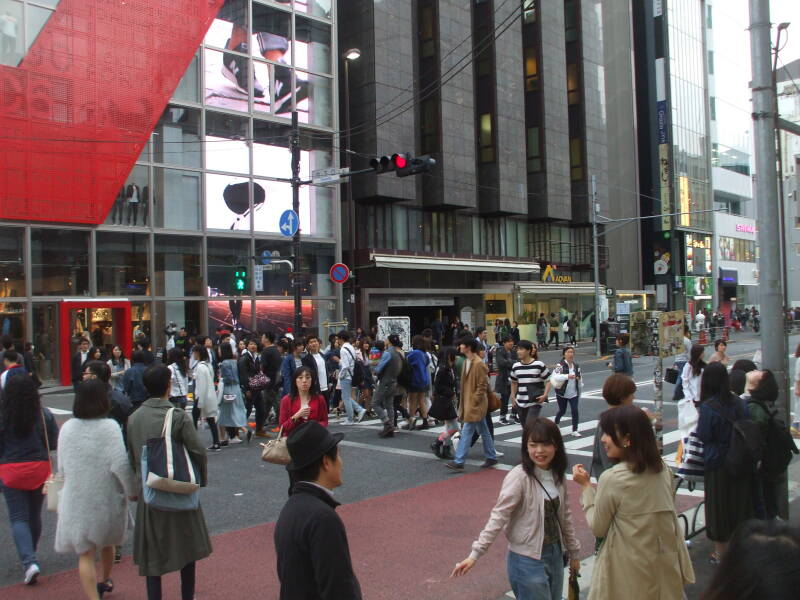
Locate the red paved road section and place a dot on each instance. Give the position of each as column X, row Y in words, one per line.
column 403, row 545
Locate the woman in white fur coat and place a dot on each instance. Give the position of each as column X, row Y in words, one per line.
column 205, row 394
column 93, row 505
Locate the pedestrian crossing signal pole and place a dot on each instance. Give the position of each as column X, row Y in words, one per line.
column 595, row 253
column 296, row 183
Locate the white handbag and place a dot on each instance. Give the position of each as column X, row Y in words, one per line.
column 55, row 483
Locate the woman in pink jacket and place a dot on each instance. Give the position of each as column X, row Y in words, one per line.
column 533, row 508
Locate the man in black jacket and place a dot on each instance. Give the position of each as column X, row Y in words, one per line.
column 310, row 538
column 248, row 366
column 121, row 406
column 78, row 360
column 271, row 359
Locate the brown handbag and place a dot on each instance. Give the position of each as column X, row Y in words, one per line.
column 494, row 401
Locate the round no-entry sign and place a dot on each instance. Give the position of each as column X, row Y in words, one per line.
column 339, row 273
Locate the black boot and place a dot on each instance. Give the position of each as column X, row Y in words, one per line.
column 447, row 452
column 437, row 448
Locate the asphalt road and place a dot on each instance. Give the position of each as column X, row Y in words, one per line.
column 244, row 492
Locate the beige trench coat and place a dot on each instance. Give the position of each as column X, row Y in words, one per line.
column 644, row 554
column 474, row 385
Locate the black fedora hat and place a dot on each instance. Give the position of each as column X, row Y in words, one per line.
column 308, row 443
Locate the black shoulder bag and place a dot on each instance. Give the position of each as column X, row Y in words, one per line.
column 563, row 537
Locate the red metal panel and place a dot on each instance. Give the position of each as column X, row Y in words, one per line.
column 77, row 112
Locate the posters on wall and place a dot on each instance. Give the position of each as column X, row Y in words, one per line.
column 400, row 326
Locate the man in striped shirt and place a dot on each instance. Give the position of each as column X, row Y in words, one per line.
column 530, row 382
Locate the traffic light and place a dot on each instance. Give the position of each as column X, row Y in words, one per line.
column 239, row 281
column 667, row 234
column 415, row 166
column 387, row 164
column 403, row 164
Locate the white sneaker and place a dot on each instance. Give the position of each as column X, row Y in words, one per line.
column 361, row 416
column 499, row 454
column 576, row 434
column 235, row 440
column 31, row 573
column 348, row 422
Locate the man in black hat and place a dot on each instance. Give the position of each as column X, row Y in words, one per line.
column 310, row 539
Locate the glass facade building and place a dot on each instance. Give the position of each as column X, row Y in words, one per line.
column 203, row 200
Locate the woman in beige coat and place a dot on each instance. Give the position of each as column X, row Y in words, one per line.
column 644, row 554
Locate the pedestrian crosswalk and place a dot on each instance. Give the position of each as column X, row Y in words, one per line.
column 511, row 435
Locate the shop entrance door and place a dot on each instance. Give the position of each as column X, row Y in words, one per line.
column 104, row 322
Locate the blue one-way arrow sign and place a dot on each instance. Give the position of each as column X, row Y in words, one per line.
column 289, row 223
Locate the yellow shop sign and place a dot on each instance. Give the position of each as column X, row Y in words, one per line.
column 551, row 275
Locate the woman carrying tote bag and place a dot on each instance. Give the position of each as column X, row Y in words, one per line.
column 165, row 541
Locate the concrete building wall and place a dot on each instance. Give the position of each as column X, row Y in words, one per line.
column 510, row 103
column 556, row 201
column 457, row 108
column 625, row 270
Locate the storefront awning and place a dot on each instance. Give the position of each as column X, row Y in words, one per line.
column 576, row 287
column 392, row 261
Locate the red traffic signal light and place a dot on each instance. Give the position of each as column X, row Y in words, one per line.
column 416, row 165
column 400, row 160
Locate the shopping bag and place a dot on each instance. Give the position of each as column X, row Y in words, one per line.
column 169, row 466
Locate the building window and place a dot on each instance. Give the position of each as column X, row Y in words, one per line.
column 486, row 139
column 428, row 75
column 534, row 149
column 485, row 85
column 576, row 159
column 712, row 108
column 710, row 62
column 797, row 249
column 797, row 222
column 178, row 269
column 122, row 264
column 12, row 269
column 736, row 249
column 20, row 24
column 59, row 262
column 528, row 11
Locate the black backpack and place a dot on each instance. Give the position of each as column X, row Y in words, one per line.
column 745, row 446
column 358, row 371
column 778, row 447
column 406, row 375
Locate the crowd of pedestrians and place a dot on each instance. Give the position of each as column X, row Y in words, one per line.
column 293, row 387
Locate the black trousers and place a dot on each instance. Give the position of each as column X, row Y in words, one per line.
column 553, row 336
column 187, row 584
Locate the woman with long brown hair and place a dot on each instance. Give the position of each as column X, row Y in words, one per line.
column 643, row 554
column 533, row 510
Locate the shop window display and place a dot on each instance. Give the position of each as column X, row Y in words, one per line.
column 122, row 264
column 12, row 270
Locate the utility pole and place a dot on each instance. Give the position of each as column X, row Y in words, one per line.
column 595, row 253
column 296, row 183
column 774, row 353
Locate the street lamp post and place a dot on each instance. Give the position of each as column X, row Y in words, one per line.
column 350, row 55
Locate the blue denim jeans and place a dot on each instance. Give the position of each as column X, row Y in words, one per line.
column 465, row 442
column 533, row 579
column 351, row 407
column 25, row 514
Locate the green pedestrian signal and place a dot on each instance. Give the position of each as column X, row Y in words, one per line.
column 240, row 281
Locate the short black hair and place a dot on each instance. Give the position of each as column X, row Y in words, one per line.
column 11, row 356
column 311, row 472
column 138, row 356
column 471, row 343
column 344, row 335
column 91, row 400
column 479, row 330
column 7, row 341
column 395, row 340
column 270, row 336
column 156, row 379
column 505, row 338
column 99, row 369
column 83, row 341
column 225, row 351
column 761, row 560
column 718, row 343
